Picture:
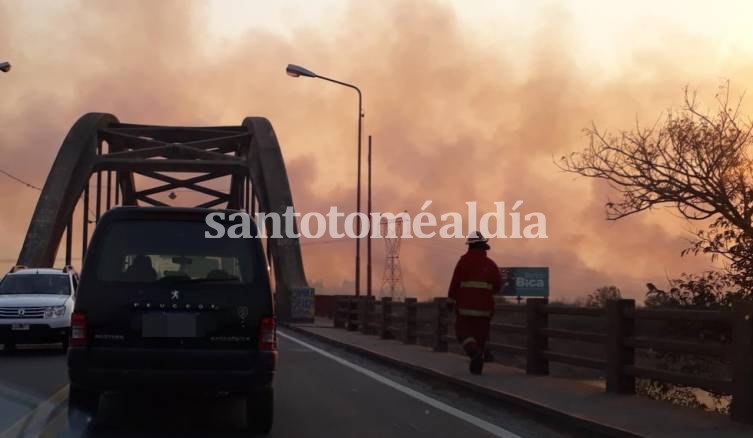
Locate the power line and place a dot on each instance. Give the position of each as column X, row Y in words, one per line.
column 30, row 185
column 445, row 252
column 325, row 242
column 17, row 179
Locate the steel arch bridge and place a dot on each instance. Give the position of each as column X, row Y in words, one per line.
column 246, row 159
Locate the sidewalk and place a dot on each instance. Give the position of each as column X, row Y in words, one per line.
column 575, row 402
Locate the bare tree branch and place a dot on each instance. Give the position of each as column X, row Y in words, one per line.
column 695, row 161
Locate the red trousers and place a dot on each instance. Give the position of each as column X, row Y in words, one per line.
column 472, row 333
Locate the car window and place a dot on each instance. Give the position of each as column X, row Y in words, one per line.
column 142, row 251
column 35, row 284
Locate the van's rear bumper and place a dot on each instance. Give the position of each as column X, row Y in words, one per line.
column 88, row 370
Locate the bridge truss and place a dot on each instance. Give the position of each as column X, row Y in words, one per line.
column 118, row 158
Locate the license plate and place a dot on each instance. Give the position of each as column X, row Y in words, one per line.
column 168, row 325
column 19, row 327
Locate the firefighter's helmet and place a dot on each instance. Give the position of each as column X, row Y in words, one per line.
column 476, row 237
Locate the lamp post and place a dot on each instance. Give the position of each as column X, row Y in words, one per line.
column 297, row 71
column 5, row 66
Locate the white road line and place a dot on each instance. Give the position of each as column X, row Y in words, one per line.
column 33, row 423
column 13, row 395
column 481, row 424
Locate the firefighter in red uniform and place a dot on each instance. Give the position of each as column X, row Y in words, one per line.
column 474, row 282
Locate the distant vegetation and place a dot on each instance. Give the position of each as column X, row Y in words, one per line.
column 600, row 296
column 707, row 291
column 710, row 291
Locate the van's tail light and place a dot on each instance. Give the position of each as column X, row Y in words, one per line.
column 78, row 330
column 267, row 335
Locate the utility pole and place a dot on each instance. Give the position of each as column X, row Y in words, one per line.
column 371, row 228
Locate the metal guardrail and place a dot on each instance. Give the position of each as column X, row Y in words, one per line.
column 411, row 322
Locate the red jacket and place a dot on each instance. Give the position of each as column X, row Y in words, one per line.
column 475, row 281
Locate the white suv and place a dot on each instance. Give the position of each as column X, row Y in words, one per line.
column 36, row 306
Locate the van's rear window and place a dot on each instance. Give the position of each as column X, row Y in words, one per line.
column 144, row 251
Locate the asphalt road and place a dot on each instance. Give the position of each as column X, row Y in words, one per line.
column 319, row 391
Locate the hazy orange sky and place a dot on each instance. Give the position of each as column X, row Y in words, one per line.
column 467, row 101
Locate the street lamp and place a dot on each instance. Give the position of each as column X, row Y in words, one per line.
column 297, row 71
column 5, row 66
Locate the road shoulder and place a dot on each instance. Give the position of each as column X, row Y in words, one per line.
column 574, row 403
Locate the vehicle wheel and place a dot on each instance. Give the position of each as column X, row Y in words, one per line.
column 65, row 341
column 260, row 411
column 82, row 408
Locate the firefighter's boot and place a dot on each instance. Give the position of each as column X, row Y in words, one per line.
column 473, row 351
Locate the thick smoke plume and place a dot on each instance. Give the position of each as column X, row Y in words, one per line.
column 455, row 118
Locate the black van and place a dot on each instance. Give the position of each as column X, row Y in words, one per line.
column 162, row 308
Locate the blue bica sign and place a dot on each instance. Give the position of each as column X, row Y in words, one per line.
column 525, row 282
column 302, row 304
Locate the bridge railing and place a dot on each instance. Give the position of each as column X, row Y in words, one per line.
column 612, row 337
